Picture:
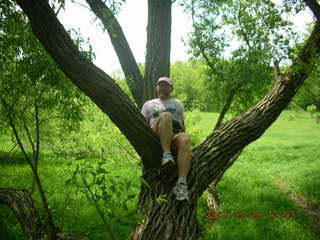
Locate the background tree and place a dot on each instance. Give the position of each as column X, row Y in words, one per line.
column 189, row 83
column 173, row 219
column 238, row 40
column 309, row 94
column 252, row 34
column 33, row 93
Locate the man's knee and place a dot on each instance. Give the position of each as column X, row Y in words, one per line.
column 165, row 117
column 183, row 140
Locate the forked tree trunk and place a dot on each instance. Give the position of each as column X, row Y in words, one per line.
column 163, row 216
column 175, row 220
column 121, row 46
column 171, row 220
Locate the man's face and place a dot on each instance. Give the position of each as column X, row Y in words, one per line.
column 163, row 89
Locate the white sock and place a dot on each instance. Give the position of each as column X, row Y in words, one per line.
column 165, row 153
column 182, row 180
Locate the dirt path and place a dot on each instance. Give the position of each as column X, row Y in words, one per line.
column 309, row 210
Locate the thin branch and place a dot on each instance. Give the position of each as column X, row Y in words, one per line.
column 34, row 170
column 100, row 212
column 8, row 153
column 121, row 46
column 125, row 149
column 199, row 44
column 50, row 118
column 205, row 56
column 28, row 134
column 226, row 107
column 245, row 37
column 36, row 157
column 80, row 4
column 61, row 5
column 15, row 132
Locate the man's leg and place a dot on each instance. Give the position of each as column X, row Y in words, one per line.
column 163, row 128
column 181, row 143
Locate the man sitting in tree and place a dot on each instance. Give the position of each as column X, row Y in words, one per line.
column 166, row 118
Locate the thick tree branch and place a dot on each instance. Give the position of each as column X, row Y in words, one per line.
column 96, row 84
column 214, row 153
column 122, row 48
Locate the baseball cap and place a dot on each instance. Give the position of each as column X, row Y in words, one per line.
column 165, row 79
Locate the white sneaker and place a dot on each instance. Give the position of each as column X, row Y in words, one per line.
column 167, row 158
column 181, row 192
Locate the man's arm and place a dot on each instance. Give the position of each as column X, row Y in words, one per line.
column 145, row 112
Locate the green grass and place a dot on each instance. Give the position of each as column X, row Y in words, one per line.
column 289, row 150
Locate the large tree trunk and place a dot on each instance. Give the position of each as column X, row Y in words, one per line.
column 121, row 46
column 164, row 216
column 158, row 44
column 176, row 220
column 215, row 155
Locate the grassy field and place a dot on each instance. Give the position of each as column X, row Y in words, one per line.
column 252, row 204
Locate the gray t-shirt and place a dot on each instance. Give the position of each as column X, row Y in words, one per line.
column 152, row 109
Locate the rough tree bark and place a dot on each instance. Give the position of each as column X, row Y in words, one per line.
column 173, row 219
column 22, row 205
column 158, row 44
column 121, row 46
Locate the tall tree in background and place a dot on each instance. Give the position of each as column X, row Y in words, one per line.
column 173, row 219
column 33, row 93
column 254, row 34
column 239, row 40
